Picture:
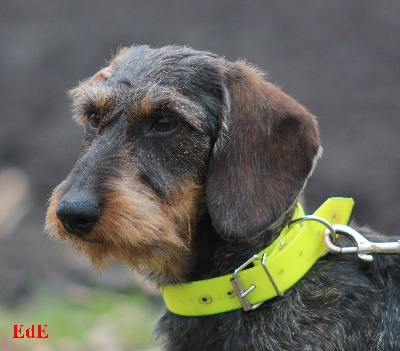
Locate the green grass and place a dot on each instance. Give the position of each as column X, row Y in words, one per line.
column 83, row 320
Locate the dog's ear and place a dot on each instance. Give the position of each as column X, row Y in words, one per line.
column 261, row 160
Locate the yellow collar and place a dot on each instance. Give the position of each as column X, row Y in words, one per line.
column 273, row 270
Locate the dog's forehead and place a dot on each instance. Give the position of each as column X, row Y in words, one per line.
column 142, row 67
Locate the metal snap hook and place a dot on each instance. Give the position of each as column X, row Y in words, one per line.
column 363, row 247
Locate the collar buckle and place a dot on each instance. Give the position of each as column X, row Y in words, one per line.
column 241, row 292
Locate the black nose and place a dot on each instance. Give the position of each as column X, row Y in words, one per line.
column 78, row 212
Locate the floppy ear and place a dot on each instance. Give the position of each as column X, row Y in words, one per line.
column 261, row 160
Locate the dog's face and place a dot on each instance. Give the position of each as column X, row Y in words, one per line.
column 172, row 135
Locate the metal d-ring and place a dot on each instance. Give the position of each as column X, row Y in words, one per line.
column 317, row 219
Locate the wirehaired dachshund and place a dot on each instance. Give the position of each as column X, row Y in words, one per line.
column 191, row 165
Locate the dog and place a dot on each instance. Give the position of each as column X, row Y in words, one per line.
column 193, row 164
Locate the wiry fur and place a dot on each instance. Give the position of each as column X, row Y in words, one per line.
column 198, row 201
column 131, row 225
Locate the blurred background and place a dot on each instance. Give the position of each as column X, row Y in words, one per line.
column 340, row 59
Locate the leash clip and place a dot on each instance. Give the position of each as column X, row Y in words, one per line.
column 241, row 292
column 363, row 247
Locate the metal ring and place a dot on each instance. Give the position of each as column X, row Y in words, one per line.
column 317, row 219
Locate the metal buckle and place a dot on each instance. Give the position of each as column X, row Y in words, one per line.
column 241, row 292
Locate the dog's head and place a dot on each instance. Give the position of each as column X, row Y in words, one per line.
column 172, row 135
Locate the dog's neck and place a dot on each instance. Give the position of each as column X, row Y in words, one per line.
column 214, row 256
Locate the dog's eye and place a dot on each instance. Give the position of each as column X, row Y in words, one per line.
column 165, row 124
column 94, row 120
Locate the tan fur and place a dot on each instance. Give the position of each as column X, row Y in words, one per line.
column 99, row 97
column 158, row 98
column 135, row 228
column 121, row 52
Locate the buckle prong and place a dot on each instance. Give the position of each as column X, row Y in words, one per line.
column 241, row 292
column 271, row 279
